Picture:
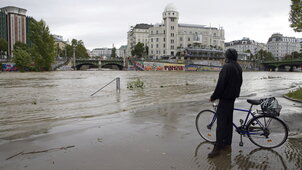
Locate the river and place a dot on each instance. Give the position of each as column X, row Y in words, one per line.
column 149, row 128
column 33, row 103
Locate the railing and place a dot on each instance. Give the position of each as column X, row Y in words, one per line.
column 118, row 86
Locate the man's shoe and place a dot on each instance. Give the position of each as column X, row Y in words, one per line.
column 215, row 152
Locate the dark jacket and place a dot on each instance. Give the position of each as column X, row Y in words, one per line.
column 229, row 82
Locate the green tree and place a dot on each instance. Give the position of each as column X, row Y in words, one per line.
column 263, row 55
column 138, row 50
column 78, row 46
column 43, row 46
column 113, row 52
column 22, row 59
column 295, row 15
column 3, row 46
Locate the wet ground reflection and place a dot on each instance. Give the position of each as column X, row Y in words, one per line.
column 257, row 158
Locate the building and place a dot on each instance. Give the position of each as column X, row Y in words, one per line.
column 245, row 44
column 13, row 26
column 138, row 33
column 169, row 37
column 122, row 51
column 280, row 46
column 59, row 41
column 102, row 53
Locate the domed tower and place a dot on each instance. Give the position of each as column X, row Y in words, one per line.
column 170, row 17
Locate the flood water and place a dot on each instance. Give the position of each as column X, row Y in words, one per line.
column 32, row 104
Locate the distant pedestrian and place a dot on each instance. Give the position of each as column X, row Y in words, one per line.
column 227, row 90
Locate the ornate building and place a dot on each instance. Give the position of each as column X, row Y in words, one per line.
column 169, row 37
column 246, row 44
column 281, row 46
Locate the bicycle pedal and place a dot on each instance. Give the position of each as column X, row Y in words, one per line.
column 240, row 143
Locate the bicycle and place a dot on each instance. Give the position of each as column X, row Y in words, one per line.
column 264, row 129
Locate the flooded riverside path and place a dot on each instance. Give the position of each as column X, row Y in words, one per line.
column 149, row 128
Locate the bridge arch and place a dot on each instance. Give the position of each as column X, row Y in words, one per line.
column 112, row 65
column 88, row 65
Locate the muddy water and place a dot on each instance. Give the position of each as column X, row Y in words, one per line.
column 34, row 104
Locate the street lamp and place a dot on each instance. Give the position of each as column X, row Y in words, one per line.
column 74, row 61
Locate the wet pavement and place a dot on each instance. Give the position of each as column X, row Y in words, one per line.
column 150, row 128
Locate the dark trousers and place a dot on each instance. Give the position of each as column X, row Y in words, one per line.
column 224, row 131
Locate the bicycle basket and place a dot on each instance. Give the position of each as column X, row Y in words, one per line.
column 270, row 106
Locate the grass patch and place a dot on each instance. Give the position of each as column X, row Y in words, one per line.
column 297, row 94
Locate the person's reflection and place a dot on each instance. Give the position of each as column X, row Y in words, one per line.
column 223, row 161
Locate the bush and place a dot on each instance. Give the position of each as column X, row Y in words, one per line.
column 135, row 84
column 23, row 60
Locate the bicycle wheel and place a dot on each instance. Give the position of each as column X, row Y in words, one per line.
column 206, row 125
column 267, row 131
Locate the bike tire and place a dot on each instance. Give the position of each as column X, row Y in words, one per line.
column 267, row 131
column 203, row 119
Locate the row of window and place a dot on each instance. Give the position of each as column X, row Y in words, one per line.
column 185, row 32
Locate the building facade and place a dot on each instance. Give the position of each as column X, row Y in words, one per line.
column 246, row 44
column 16, row 27
column 121, row 52
column 169, row 37
column 102, row 53
column 138, row 33
column 280, row 46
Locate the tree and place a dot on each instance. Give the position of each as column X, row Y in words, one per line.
column 3, row 46
column 22, row 59
column 80, row 49
column 263, row 55
column 113, row 52
column 138, row 50
column 43, row 46
column 295, row 15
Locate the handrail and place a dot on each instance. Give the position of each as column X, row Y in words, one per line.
column 117, row 86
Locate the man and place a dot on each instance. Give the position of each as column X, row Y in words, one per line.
column 227, row 90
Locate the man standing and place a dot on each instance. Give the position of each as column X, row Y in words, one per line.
column 227, row 90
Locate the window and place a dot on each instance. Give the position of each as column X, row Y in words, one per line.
column 164, row 32
column 164, row 39
column 156, row 32
column 151, row 39
column 172, row 41
column 172, row 47
column 189, row 39
column 172, row 19
column 156, row 45
column 180, row 39
column 172, row 27
column 172, row 34
column 151, row 45
column 164, row 45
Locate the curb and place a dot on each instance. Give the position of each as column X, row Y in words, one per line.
column 289, row 98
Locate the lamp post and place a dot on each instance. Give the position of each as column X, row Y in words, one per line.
column 74, row 61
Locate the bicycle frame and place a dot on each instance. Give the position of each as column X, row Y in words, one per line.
column 239, row 129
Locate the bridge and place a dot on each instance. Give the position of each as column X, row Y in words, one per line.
column 281, row 65
column 117, row 63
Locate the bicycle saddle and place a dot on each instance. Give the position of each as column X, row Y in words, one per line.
column 254, row 102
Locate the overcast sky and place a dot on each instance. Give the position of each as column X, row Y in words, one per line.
column 101, row 23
